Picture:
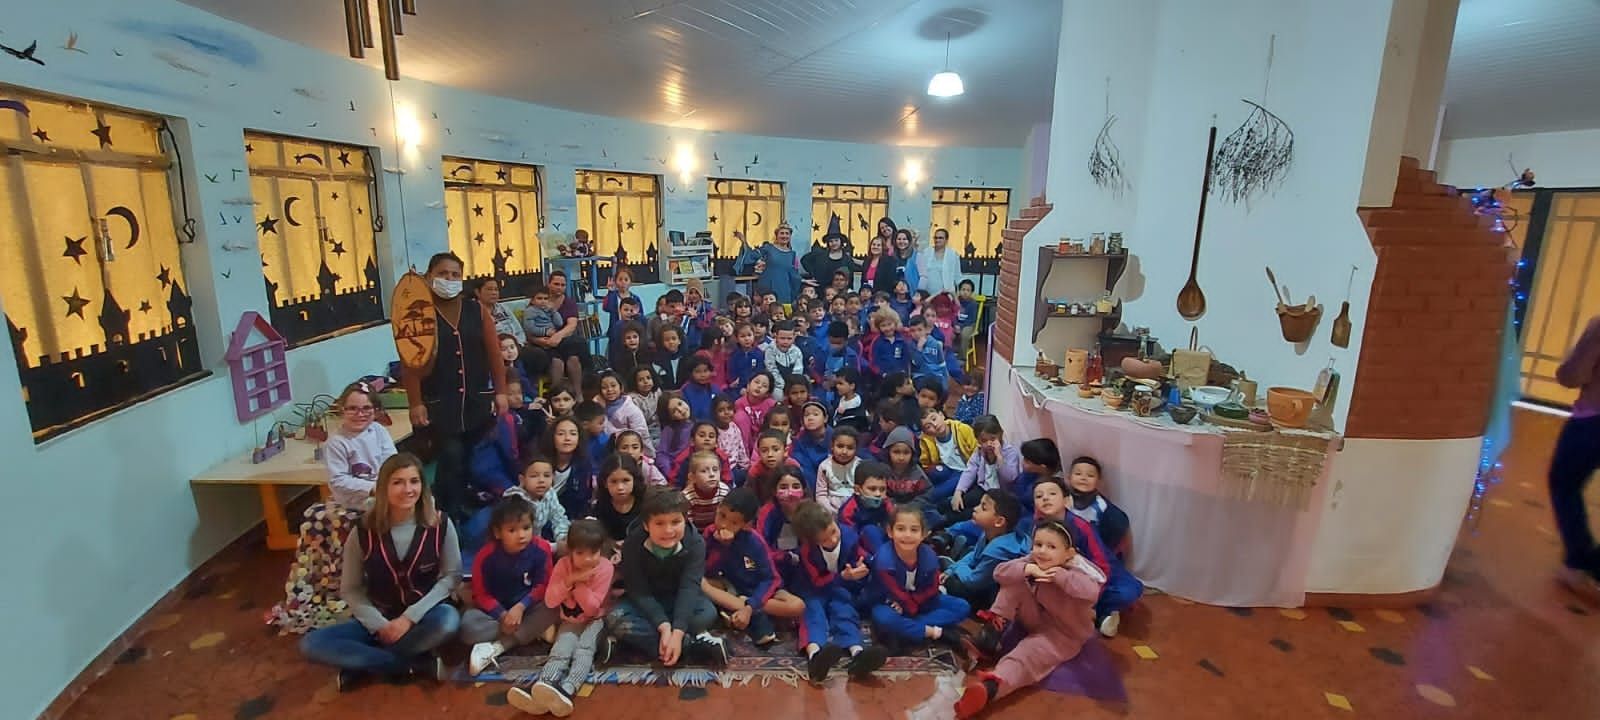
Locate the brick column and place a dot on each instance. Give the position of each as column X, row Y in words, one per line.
column 1009, row 287
column 1430, row 343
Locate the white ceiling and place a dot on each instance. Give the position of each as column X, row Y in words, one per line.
column 852, row 70
column 1523, row 66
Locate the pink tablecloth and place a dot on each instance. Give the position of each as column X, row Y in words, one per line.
column 1189, row 537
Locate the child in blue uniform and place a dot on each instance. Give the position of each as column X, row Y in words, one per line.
column 868, row 511
column 508, row 579
column 1051, row 500
column 1111, row 524
column 812, row 444
column 698, row 391
column 994, row 539
column 740, row 577
column 787, row 490
column 833, row 569
column 905, row 579
column 1040, row 459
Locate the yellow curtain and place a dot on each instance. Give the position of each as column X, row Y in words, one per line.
column 974, row 218
column 619, row 210
column 312, row 215
column 752, row 207
column 859, row 207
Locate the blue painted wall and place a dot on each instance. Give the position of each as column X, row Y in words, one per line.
column 103, row 520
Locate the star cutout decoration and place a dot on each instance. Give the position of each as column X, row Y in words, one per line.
column 145, row 307
column 75, row 303
column 165, row 277
column 510, row 252
column 713, row 219
column 821, row 191
column 630, row 224
column 248, row 148
column 338, row 249
column 42, row 135
column 359, row 211
column 336, row 195
column 966, row 196
column 344, row 159
column 477, row 210
column 269, row 225
column 75, row 250
column 478, row 238
column 815, row 227
column 955, row 221
column 750, row 187
column 502, row 175
column 102, row 131
column 991, row 196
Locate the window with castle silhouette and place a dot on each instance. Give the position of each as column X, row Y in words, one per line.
column 97, row 301
column 621, row 212
column 854, row 210
column 316, row 221
column 752, row 208
column 494, row 212
column 974, row 217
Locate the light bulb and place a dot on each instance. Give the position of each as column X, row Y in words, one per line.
column 946, row 84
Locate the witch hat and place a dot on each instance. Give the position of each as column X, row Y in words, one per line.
column 834, row 232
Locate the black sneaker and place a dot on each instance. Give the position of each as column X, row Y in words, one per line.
column 960, row 643
column 867, row 662
column 822, row 661
column 943, row 543
column 604, row 651
column 762, row 632
column 990, row 635
column 706, row 649
column 428, row 665
column 350, row 680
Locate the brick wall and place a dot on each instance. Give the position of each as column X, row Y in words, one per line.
column 1431, row 339
column 1005, row 331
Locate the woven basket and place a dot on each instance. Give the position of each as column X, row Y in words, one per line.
column 1298, row 322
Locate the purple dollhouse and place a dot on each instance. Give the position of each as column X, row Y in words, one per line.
column 258, row 361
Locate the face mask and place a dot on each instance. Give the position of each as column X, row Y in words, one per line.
column 1081, row 499
column 446, row 289
column 871, row 502
column 661, row 552
column 791, row 494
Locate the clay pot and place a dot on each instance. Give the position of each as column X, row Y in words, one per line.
column 1142, row 369
column 1289, row 407
column 1182, row 414
column 1112, row 397
column 1075, row 366
column 1085, row 391
column 1046, row 369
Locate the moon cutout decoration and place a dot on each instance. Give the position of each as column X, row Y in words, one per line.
column 515, row 213
column 993, row 218
column 298, row 159
column 614, row 180
column 459, row 168
column 288, row 210
column 716, row 187
column 602, row 210
column 123, row 212
column 757, row 223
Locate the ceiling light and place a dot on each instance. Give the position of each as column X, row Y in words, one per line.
column 946, row 83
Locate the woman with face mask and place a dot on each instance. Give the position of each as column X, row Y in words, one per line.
column 463, row 390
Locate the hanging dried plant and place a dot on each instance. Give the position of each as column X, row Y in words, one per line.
column 1105, row 160
column 1254, row 157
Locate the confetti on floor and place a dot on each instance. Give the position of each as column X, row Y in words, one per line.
column 207, row 640
column 1293, row 613
column 1478, row 673
column 1390, row 616
column 162, row 622
column 1337, row 700
column 586, row 690
column 1352, row 626
column 1436, row 696
column 1144, row 652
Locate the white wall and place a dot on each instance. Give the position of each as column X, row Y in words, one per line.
column 1173, row 66
column 1559, row 159
column 106, row 514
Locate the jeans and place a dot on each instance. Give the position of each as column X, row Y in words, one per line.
column 349, row 646
column 572, row 656
column 1576, row 458
column 944, row 481
column 477, row 627
column 633, row 629
column 942, row 610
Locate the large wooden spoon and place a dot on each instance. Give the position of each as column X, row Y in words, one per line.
column 1192, row 302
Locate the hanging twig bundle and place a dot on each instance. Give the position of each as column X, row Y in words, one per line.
column 1105, row 161
column 1255, row 156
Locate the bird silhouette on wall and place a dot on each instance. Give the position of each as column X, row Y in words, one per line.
column 24, row 54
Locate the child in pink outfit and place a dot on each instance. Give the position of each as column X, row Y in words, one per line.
column 577, row 591
column 749, row 411
column 1052, row 593
column 730, row 439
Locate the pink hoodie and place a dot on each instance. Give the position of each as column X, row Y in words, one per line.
column 749, row 419
column 588, row 596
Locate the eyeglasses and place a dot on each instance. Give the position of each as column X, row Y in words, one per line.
column 362, row 410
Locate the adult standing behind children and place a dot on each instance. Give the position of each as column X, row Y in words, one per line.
column 882, row 267
column 399, row 609
column 779, row 266
column 821, row 263
column 939, row 269
column 1576, row 457
column 465, row 388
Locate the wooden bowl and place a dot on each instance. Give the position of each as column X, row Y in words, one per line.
column 1182, row 414
column 1298, row 322
column 1086, row 391
column 1142, row 369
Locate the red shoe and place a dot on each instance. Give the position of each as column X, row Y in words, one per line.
column 976, row 696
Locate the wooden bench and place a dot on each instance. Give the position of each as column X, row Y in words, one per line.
column 296, row 467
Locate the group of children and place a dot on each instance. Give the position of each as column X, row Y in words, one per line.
column 676, row 490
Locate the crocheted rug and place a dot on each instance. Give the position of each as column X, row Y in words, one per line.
column 748, row 664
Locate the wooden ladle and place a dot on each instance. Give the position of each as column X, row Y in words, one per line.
column 1191, row 301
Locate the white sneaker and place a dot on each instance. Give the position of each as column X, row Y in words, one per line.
column 483, row 656
column 1108, row 626
column 552, row 698
column 526, row 702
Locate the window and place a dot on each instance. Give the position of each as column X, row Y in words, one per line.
column 752, row 207
column 622, row 214
column 95, row 296
column 316, row 225
column 494, row 212
column 857, row 207
column 974, row 217
column 1562, row 297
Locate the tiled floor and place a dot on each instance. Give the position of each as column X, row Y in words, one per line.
column 1501, row 640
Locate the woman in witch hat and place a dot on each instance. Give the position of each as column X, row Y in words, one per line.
column 831, row 256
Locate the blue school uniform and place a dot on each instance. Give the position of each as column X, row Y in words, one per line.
column 809, row 452
column 886, row 354
column 929, row 361
column 903, row 307
column 972, row 576
column 830, row 616
column 744, row 364
column 746, row 564
column 770, row 524
column 967, row 315
column 868, row 522
column 700, row 399
column 829, row 361
column 916, row 591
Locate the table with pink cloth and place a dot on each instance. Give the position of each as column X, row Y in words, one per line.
column 1192, row 536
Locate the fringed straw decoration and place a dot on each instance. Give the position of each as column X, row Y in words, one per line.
column 1105, row 160
column 1257, row 155
column 1275, row 468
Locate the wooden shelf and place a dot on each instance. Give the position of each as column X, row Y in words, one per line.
column 1116, row 264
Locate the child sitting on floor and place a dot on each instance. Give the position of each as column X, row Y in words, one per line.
column 947, row 446
column 644, row 393
column 813, row 444
column 907, row 481
column 663, row 613
column 973, row 401
column 592, row 420
column 676, row 424
column 730, row 439
column 533, row 484
column 995, row 464
column 631, row 444
column 1040, row 459
column 771, row 456
column 704, row 488
column 833, row 570
column 1051, row 500
column 773, row 522
column 576, row 593
column 697, row 388
column 702, row 439
column 1050, row 593
column 836, row 476
column 621, row 413
column 740, row 576
column 851, row 409
column 508, row 585
column 617, row 497
column 574, row 474
column 868, row 510
column 994, row 538
column 910, row 610
column 750, row 410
